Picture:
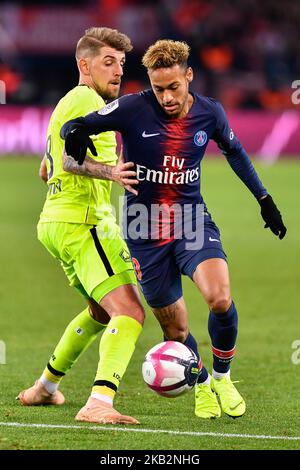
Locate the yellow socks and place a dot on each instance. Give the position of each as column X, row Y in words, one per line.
column 116, row 348
column 78, row 336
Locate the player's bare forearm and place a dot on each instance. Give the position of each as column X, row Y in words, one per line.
column 120, row 173
column 89, row 168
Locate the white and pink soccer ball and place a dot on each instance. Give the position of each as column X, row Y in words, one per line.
column 170, row 369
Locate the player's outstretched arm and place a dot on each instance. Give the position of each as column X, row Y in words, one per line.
column 241, row 164
column 121, row 173
column 116, row 116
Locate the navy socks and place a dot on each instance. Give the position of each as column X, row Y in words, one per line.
column 222, row 328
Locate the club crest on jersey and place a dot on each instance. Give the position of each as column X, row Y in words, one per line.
column 200, row 138
column 125, row 255
column 109, row 108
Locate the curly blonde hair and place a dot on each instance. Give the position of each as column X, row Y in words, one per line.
column 166, row 53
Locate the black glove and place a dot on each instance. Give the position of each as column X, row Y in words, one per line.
column 272, row 216
column 77, row 143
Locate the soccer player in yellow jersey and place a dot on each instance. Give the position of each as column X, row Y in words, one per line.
column 78, row 228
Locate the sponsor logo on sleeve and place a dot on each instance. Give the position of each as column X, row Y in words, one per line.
column 109, row 108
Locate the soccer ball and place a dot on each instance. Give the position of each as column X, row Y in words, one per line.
column 170, row 369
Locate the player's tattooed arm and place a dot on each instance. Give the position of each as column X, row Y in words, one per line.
column 119, row 173
column 88, row 168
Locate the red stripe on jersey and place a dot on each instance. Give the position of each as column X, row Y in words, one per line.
column 168, row 194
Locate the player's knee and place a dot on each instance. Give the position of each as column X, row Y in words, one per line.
column 133, row 310
column 138, row 313
column 124, row 301
column 219, row 302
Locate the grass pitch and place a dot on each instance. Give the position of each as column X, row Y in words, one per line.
column 36, row 305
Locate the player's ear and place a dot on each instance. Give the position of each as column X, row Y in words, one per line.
column 189, row 74
column 83, row 65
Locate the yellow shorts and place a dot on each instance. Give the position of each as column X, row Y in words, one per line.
column 95, row 259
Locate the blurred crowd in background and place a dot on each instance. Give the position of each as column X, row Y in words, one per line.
column 244, row 53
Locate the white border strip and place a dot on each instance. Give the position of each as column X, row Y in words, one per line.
column 151, row 431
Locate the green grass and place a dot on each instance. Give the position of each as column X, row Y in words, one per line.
column 36, row 305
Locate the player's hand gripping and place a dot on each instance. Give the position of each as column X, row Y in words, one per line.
column 77, row 143
column 272, row 216
column 123, row 175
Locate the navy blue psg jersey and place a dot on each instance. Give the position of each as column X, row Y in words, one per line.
column 167, row 152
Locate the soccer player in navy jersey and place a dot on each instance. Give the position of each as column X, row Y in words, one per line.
column 165, row 132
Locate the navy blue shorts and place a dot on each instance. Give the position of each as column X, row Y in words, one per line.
column 159, row 267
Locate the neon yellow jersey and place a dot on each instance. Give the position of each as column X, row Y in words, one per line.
column 72, row 198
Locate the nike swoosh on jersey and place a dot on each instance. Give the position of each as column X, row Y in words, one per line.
column 214, row 240
column 149, row 135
